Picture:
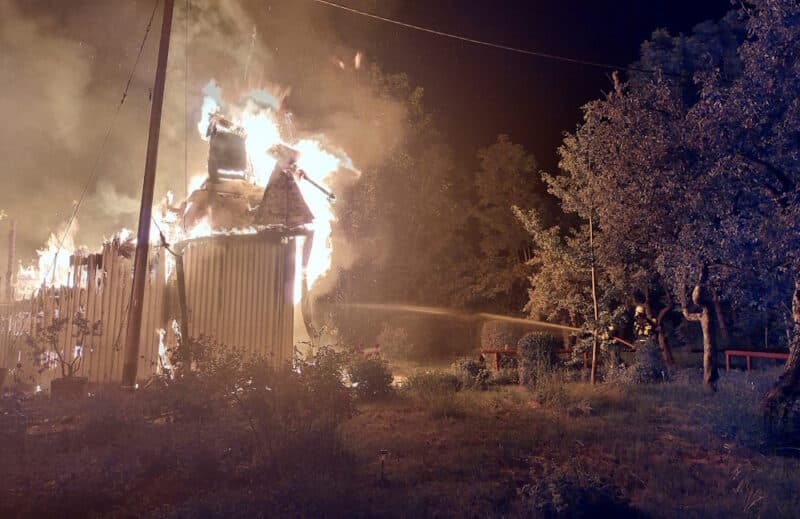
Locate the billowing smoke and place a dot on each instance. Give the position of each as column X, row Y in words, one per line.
column 64, row 66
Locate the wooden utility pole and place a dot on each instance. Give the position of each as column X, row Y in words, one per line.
column 12, row 252
column 134, row 326
column 594, row 300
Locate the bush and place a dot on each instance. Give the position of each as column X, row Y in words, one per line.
column 648, row 367
column 496, row 335
column 394, row 342
column 536, row 354
column 284, row 410
column 370, row 377
column 471, row 373
column 426, row 383
column 570, row 490
column 438, row 391
column 504, row 377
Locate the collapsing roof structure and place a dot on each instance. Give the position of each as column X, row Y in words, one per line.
column 229, row 201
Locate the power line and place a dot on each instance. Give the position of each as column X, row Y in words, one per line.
column 538, row 54
column 104, row 143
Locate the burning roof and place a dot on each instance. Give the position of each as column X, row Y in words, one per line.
column 258, row 178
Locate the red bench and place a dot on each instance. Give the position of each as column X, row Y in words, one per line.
column 752, row 354
column 497, row 354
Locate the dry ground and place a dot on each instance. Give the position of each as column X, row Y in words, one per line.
column 666, row 450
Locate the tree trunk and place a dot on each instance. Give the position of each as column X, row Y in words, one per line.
column 705, row 318
column 710, row 373
column 780, row 398
column 663, row 344
column 724, row 336
column 666, row 349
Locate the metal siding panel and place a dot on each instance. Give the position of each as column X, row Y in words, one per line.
column 199, row 287
column 113, row 285
column 211, row 254
column 223, row 266
column 226, row 294
column 91, row 296
column 290, row 271
column 250, row 307
column 258, row 300
column 239, row 289
column 238, row 337
column 190, row 273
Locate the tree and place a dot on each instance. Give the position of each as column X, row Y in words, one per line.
column 748, row 132
column 397, row 222
column 617, row 169
column 632, row 165
column 561, row 280
column 492, row 267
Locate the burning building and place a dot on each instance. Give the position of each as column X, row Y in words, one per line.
column 252, row 238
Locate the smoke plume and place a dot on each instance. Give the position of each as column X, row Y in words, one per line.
column 62, row 73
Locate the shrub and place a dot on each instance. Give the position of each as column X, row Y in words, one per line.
column 504, row 377
column 471, row 373
column 370, row 376
column 536, row 354
column 283, row 409
column 570, row 490
column 496, row 335
column 395, row 343
column 425, row 383
column 438, row 392
column 648, row 367
column 508, row 363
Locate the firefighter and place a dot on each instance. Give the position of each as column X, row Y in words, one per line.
column 642, row 326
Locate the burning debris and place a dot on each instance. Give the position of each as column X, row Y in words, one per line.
column 227, row 154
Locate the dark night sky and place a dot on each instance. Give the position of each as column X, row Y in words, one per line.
column 478, row 92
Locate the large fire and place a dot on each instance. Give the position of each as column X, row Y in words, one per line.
column 52, row 267
column 260, row 117
column 265, row 127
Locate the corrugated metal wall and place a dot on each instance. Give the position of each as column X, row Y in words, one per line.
column 99, row 291
column 239, row 291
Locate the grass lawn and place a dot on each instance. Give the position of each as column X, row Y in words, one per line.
column 572, row 450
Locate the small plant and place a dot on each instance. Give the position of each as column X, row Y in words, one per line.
column 471, row 373
column 370, row 377
column 45, row 347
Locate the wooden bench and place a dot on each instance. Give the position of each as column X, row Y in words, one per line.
column 511, row 352
column 752, row 354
